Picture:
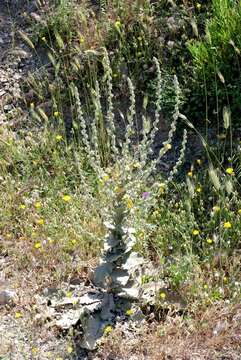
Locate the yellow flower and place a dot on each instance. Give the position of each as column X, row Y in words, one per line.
column 43, row 38
column 199, row 189
column 129, row 203
column 162, row 295
column 37, row 245
column 69, row 349
column 66, row 198
column 216, row 208
column 199, row 161
column 225, row 279
column 190, row 174
column 155, row 213
column 117, row 24
column 168, row 146
column 239, row 211
column 37, row 204
column 129, row 312
column 56, row 114
column 106, row 177
column 230, row 171
column 69, row 294
column 81, row 39
column 227, row 225
column 73, row 242
column 136, row 165
column 34, row 350
column 205, row 286
column 209, row 241
column 195, row 232
column 162, row 188
column 141, row 234
column 59, row 137
column 108, row 329
column 18, row 315
column 114, row 75
column 40, row 221
column 22, row 206
column 198, row 6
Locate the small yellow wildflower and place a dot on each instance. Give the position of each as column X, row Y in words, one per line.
column 227, row 225
column 136, row 165
column 59, row 137
column 199, row 189
column 43, row 38
column 225, row 279
column 129, row 312
column 141, row 234
column 190, row 173
column 40, row 221
column 195, row 232
column 230, row 171
column 117, row 24
column 34, row 350
column 162, row 188
column 129, row 203
column 37, row 245
column 198, row 6
column 73, row 242
column 37, row 204
column 22, row 206
column 239, row 211
column 205, row 286
column 216, row 209
column 66, row 198
column 168, row 146
column 56, row 114
column 18, row 315
column 69, row 349
column 81, row 39
column 108, row 329
column 209, row 241
column 162, row 295
column 114, row 75
column 69, row 294
column 199, row 161
column 106, row 177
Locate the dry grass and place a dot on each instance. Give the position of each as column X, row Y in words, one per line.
column 211, row 334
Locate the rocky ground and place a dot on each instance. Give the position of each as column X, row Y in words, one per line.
column 16, row 59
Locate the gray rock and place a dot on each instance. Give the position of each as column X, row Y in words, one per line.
column 7, row 297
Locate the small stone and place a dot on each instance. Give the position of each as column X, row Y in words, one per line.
column 6, row 297
column 7, row 107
